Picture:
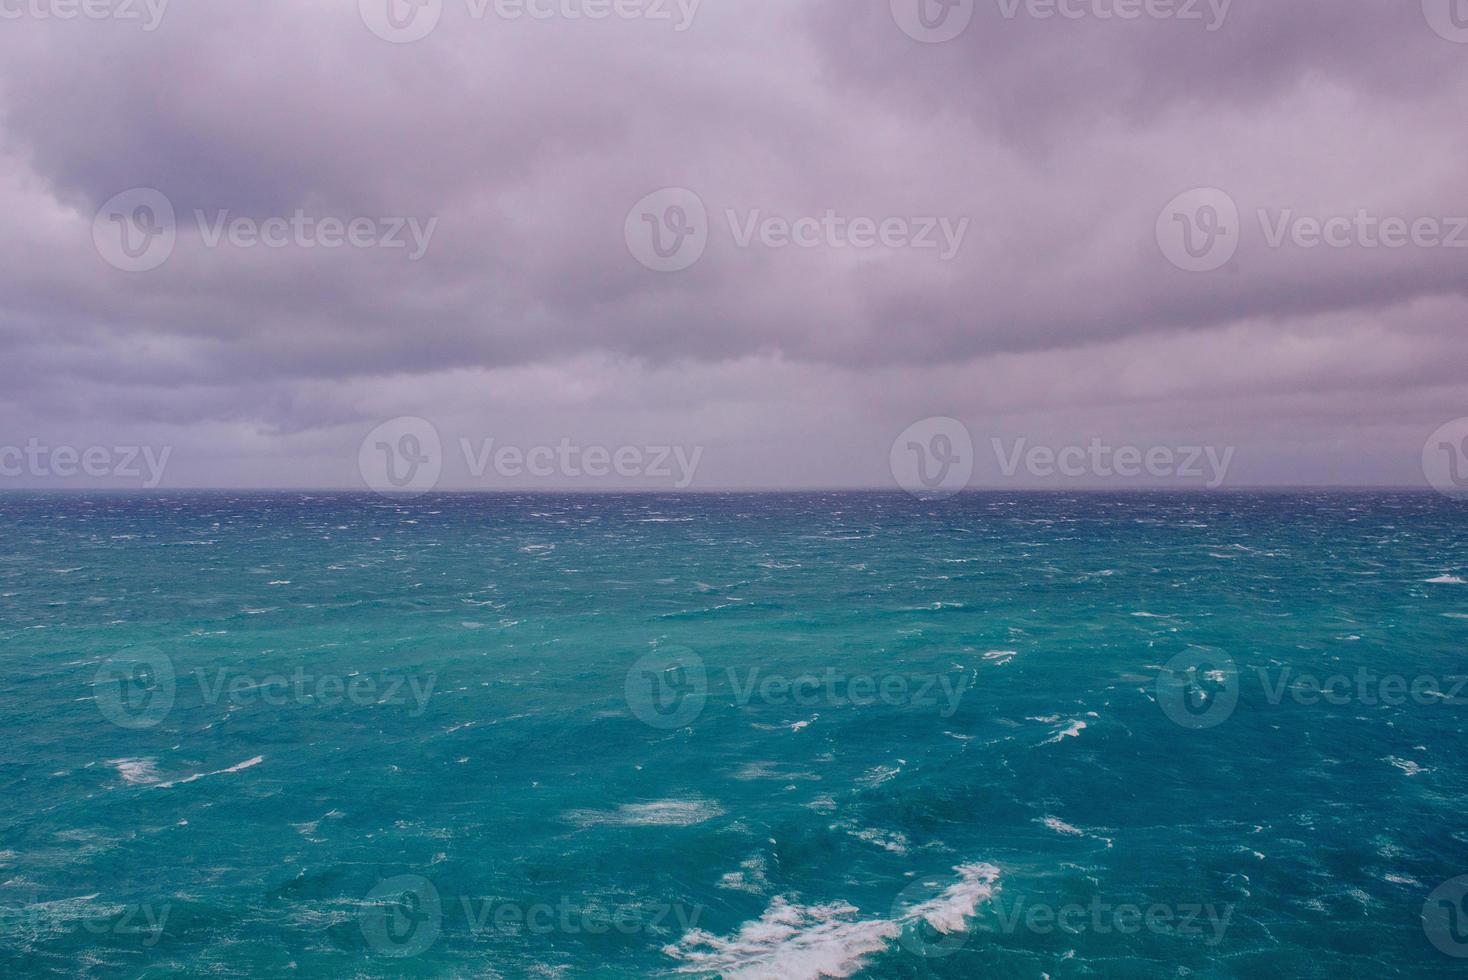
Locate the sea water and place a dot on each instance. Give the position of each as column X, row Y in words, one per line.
column 779, row 735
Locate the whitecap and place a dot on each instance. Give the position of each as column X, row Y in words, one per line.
column 138, row 772
column 1406, row 765
column 663, row 813
column 1061, row 827
column 894, row 841
column 749, row 878
column 238, row 767
column 807, row 942
column 878, row 775
column 1073, row 730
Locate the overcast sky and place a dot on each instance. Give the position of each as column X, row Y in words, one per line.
column 1002, row 227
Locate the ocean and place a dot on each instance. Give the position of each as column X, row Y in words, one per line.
column 747, row 735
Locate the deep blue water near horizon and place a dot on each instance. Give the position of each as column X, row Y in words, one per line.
column 748, row 735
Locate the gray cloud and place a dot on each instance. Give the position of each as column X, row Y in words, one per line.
column 1058, row 142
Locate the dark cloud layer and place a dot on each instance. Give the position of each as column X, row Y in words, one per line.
column 1057, row 143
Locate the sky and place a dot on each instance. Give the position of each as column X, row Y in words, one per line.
column 709, row 244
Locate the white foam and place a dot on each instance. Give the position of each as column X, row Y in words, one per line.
column 1073, row 731
column 807, row 942
column 949, row 911
column 878, row 775
column 247, row 764
column 663, row 813
column 138, row 772
column 751, row 876
column 788, row 942
column 1406, row 765
column 1001, row 657
column 1061, row 827
column 894, row 841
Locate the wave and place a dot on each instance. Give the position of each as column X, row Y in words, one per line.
column 806, row 942
column 1061, row 827
column 1072, row 731
column 663, row 813
column 1407, row 765
column 247, row 764
column 137, row 772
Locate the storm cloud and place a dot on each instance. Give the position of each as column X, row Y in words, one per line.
column 891, row 227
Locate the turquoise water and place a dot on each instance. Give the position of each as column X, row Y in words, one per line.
column 749, row 735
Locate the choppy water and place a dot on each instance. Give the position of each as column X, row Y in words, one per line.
column 758, row 736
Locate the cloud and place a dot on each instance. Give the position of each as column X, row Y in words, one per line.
column 1055, row 143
